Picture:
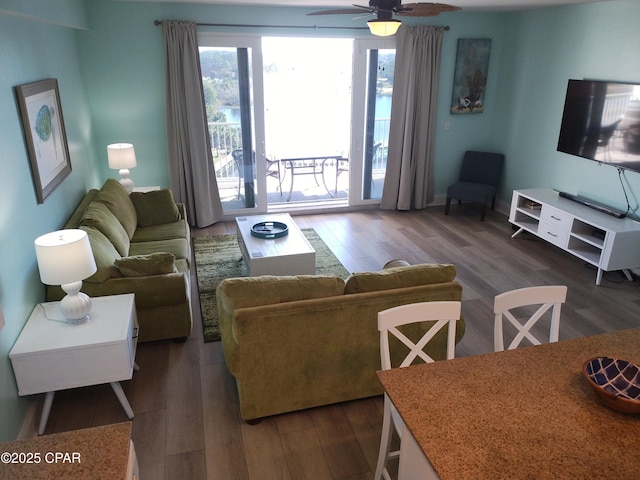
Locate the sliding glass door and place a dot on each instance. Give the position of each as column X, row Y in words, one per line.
column 307, row 96
column 374, row 60
column 231, row 69
column 297, row 120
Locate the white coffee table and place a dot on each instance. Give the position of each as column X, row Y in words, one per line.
column 288, row 255
column 50, row 355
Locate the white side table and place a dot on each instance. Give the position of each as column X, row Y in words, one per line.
column 51, row 355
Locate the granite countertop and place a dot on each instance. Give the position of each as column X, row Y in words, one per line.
column 525, row 413
column 99, row 453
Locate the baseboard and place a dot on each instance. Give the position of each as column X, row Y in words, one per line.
column 501, row 206
column 30, row 423
column 317, row 207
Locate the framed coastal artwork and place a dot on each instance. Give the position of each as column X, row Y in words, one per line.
column 44, row 134
column 470, row 78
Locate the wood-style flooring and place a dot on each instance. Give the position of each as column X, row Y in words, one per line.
column 187, row 425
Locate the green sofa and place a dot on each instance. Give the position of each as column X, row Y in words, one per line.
column 303, row 341
column 141, row 245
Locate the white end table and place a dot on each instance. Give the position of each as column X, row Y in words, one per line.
column 52, row 355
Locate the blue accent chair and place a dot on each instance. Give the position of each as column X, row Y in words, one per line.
column 478, row 182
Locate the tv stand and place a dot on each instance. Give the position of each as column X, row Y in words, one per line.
column 591, row 204
column 606, row 242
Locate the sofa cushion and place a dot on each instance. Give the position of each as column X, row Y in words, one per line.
column 97, row 215
column 143, row 265
column 155, row 207
column 165, row 231
column 271, row 289
column 178, row 246
column 116, row 198
column 182, row 266
column 400, row 277
column 104, row 254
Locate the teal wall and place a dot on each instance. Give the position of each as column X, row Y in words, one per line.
column 484, row 131
column 124, row 66
column 549, row 46
column 533, row 55
column 33, row 46
column 66, row 13
column 108, row 58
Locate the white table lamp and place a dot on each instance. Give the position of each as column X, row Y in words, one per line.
column 65, row 258
column 122, row 157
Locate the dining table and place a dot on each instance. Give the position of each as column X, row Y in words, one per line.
column 527, row 413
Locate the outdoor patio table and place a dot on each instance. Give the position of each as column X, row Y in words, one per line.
column 310, row 166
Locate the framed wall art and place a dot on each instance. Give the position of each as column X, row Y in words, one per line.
column 470, row 78
column 44, row 133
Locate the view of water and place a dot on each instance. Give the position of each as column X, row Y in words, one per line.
column 383, row 106
column 307, row 90
column 383, row 109
column 287, row 131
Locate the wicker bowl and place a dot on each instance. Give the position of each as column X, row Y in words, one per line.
column 616, row 382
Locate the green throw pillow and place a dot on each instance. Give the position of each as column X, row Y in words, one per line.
column 156, row 207
column 104, row 253
column 143, row 265
column 97, row 215
column 116, row 198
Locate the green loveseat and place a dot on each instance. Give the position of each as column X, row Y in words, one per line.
column 303, row 341
column 141, row 245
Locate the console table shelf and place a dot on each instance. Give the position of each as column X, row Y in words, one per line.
column 607, row 242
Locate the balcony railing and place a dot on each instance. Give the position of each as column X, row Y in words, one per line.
column 227, row 136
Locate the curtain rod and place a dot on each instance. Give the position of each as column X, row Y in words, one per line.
column 315, row 27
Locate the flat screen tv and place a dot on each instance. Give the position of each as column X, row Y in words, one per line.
column 601, row 122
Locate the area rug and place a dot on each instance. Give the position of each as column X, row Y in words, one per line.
column 219, row 257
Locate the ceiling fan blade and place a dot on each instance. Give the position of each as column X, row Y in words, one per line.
column 348, row 11
column 364, row 15
column 424, row 9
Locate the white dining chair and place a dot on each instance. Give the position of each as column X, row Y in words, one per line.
column 444, row 315
column 504, row 307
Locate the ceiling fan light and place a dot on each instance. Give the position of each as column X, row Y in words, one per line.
column 384, row 28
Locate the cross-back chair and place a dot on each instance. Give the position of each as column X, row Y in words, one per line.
column 444, row 315
column 549, row 298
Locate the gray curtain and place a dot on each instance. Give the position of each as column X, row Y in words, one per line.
column 191, row 171
column 409, row 178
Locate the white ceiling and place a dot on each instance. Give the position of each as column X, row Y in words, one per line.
column 476, row 5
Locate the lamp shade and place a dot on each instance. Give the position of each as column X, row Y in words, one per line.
column 64, row 257
column 121, row 155
column 384, row 28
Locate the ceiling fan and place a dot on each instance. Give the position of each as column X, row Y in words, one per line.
column 384, row 10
